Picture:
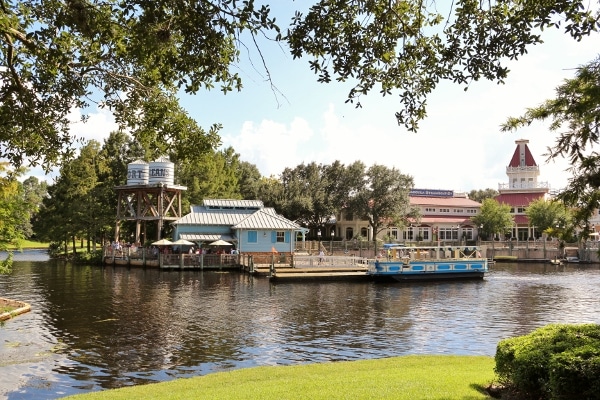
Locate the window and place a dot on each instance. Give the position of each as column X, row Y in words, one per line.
column 444, row 210
column 458, row 210
column 408, row 234
column 448, row 233
column 394, row 233
column 423, row 233
column 363, row 232
column 427, row 209
column 468, row 233
column 252, row 236
column 349, row 216
column 520, row 210
column 280, row 237
column 349, row 233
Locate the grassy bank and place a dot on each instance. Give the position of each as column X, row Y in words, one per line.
column 398, row 378
column 30, row 244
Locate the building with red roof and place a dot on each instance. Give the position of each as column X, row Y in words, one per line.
column 445, row 216
column 522, row 188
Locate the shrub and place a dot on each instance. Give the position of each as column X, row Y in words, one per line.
column 553, row 362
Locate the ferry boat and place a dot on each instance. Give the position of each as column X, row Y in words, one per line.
column 429, row 263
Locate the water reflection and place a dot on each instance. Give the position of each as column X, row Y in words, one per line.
column 93, row 328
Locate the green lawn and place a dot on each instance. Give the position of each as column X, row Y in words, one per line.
column 29, row 244
column 398, row 378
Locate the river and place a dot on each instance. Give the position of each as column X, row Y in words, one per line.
column 93, row 328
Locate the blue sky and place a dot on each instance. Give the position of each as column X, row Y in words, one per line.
column 458, row 147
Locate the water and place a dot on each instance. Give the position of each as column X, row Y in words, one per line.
column 94, row 328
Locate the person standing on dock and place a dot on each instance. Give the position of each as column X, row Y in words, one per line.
column 321, row 256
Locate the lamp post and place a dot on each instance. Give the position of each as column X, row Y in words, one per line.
column 319, row 237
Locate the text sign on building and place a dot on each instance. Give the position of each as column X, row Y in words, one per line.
column 431, row 193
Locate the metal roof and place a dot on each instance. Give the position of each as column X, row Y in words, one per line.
column 528, row 161
column 266, row 219
column 202, row 216
column 207, row 237
column 232, row 203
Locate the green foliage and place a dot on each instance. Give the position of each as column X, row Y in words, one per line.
column 58, row 56
column 409, row 47
column 383, row 199
column 493, row 217
column 211, row 175
column 553, row 362
column 480, row 195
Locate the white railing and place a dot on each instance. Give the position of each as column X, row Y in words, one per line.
column 328, row 261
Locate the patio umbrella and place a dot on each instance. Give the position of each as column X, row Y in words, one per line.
column 183, row 242
column 220, row 242
column 162, row 242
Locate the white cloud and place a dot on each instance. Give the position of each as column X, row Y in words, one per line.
column 98, row 127
column 270, row 145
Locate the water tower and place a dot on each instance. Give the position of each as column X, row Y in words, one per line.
column 149, row 195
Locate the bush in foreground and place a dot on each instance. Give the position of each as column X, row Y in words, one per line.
column 553, row 362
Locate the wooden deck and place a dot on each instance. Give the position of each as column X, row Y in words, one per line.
column 296, row 267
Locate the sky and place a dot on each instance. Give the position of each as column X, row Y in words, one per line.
column 458, row 147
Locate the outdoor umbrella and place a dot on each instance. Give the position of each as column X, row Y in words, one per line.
column 162, row 242
column 183, row 242
column 220, row 242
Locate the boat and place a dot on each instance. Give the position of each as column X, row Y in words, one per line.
column 429, row 263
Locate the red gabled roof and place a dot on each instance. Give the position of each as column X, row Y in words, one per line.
column 516, row 158
column 521, row 219
column 518, row 199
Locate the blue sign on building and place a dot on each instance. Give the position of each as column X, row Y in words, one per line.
column 431, row 193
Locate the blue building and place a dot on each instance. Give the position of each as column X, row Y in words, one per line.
column 247, row 224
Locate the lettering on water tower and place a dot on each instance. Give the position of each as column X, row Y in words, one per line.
column 159, row 172
column 135, row 174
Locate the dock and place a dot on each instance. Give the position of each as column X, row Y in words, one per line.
column 276, row 268
column 319, row 273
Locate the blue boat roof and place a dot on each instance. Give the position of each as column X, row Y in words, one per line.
column 391, row 245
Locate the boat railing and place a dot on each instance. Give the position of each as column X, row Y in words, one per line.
column 432, row 252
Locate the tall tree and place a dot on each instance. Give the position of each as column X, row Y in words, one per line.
column 384, row 199
column 212, row 175
column 307, row 200
column 62, row 55
column 75, row 206
column 249, row 178
column 33, row 192
column 547, row 215
column 15, row 213
column 493, row 218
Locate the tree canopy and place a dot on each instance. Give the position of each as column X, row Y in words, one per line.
column 494, row 218
column 133, row 57
column 383, row 199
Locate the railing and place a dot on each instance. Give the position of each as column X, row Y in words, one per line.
column 328, row 261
